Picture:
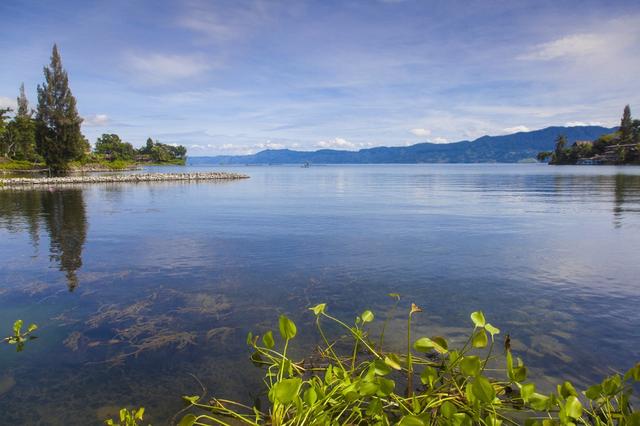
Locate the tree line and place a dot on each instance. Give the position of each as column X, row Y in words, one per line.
column 619, row 147
column 51, row 134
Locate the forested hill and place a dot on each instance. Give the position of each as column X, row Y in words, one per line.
column 487, row 149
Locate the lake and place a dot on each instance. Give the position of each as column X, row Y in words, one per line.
column 137, row 288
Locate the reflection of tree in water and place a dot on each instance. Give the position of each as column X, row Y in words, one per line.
column 66, row 221
column 627, row 190
column 64, row 217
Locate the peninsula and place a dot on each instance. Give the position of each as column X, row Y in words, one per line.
column 620, row 147
column 30, row 183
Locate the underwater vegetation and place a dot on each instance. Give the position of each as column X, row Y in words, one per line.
column 354, row 381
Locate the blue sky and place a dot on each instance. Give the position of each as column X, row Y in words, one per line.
column 235, row 77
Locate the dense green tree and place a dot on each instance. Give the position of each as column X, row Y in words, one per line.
column 113, row 148
column 23, row 130
column 636, row 131
column 560, row 152
column 58, row 136
column 626, row 126
column 544, row 156
column 160, row 152
column 23, row 104
column 4, row 138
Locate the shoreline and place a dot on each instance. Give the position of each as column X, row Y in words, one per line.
column 33, row 183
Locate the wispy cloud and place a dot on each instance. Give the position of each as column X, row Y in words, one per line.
column 336, row 143
column 584, row 123
column 516, row 129
column 420, row 132
column 158, row 68
column 7, row 102
column 572, row 45
column 97, row 120
column 219, row 24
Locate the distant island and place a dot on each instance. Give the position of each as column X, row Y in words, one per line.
column 622, row 146
column 513, row 148
column 50, row 137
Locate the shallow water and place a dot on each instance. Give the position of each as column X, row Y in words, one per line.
column 137, row 286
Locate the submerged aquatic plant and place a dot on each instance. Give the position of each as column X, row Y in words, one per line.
column 19, row 338
column 430, row 384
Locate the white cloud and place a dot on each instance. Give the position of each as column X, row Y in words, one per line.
column 573, row 45
column 159, row 68
column 516, row 129
column 420, row 132
column 269, row 145
column 7, row 103
column 583, row 123
column 439, row 140
column 97, row 120
column 338, row 143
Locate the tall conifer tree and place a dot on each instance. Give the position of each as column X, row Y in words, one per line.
column 23, row 104
column 58, row 136
column 626, row 126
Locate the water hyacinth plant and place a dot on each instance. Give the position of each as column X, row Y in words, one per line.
column 19, row 338
column 430, row 384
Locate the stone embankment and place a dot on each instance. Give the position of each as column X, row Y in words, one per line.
column 25, row 183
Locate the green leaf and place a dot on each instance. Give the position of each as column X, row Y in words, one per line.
column 573, row 407
column 310, row 396
column 633, row 373
column 187, row 420
column 191, row 399
column 286, row 390
column 492, row 330
column 442, row 342
column 367, row 316
column 492, row 421
column 428, row 376
column 480, row 339
column 375, row 407
column 478, row 319
column 483, row 389
column 393, row 361
column 611, row 385
column 470, row 365
column 367, row 388
column 448, row 409
column 250, row 338
column 593, row 392
column 394, row 295
column 380, row 367
column 527, row 390
column 538, row 402
column 288, row 329
column 424, row 344
column 268, row 341
column 319, row 308
column 32, row 328
column 411, row 421
column 17, row 326
column 633, row 419
column 386, row 386
column 566, row 389
column 138, row 415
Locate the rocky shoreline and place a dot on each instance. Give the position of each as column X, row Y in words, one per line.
column 27, row 183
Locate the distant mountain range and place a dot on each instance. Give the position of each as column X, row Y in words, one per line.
column 487, row 149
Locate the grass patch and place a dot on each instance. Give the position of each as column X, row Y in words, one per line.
column 20, row 165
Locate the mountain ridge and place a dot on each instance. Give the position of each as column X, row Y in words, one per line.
column 485, row 149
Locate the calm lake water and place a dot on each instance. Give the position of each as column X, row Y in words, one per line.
column 136, row 287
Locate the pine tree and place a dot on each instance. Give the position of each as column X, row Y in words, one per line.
column 58, row 136
column 626, row 126
column 23, row 104
column 23, row 130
